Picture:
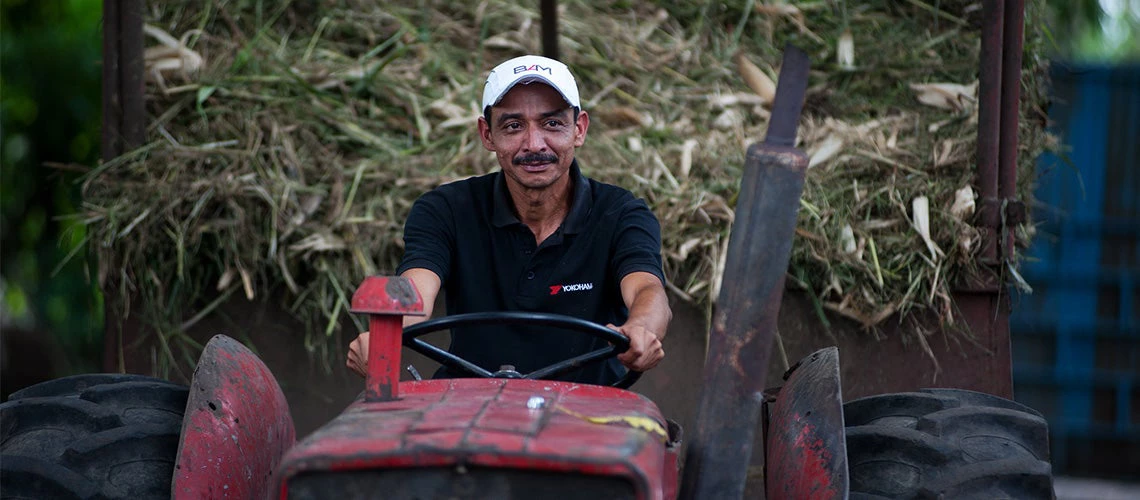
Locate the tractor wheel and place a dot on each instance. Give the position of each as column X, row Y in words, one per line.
column 91, row 436
column 946, row 443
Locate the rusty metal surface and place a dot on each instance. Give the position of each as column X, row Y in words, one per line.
column 989, row 97
column 1012, row 41
column 1011, row 209
column 382, row 382
column 986, row 316
column 112, row 111
column 744, row 323
column 998, row 115
column 497, row 423
column 387, row 295
column 236, row 429
column 989, row 125
column 789, row 99
column 872, row 365
column 806, row 454
column 111, row 118
column 386, row 300
column 131, row 67
column 981, row 296
column 741, row 336
column 124, row 112
column 124, row 115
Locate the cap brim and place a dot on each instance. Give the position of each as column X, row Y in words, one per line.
column 526, row 80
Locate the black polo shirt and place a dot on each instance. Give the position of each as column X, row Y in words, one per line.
column 468, row 234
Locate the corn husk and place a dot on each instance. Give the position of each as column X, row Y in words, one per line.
column 757, row 80
column 951, row 96
column 963, row 206
column 845, row 51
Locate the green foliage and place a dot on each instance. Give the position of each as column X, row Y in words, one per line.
column 49, row 113
column 1105, row 31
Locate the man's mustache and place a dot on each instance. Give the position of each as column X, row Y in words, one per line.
column 535, row 158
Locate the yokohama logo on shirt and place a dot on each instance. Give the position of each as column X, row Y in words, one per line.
column 580, row 287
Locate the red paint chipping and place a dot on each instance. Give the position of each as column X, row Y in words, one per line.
column 487, row 422
column 806, row 454
column 386, row 300
column 236, row 429
column 815, row 478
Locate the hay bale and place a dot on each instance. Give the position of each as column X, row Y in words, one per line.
column 289, row 139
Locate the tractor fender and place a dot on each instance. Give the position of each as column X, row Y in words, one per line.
column 236, row 429
column 805, row 447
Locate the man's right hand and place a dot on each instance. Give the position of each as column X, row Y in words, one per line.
column 427, row 284
column 358, row 355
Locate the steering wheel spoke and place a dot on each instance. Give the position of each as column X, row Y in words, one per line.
column 574, row 363
column 618, row 343
column 447, row 359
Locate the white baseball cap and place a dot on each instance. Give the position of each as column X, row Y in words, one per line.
column 527, row 69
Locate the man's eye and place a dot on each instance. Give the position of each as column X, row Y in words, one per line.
column 553, row 124
column 512, row 126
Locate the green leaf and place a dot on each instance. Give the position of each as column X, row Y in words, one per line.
column 203, row 94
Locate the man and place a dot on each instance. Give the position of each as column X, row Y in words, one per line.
column 537, row 236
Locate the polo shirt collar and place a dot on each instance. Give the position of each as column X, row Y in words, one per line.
column 503, row 215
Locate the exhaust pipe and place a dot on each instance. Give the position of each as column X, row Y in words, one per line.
column 744, row 323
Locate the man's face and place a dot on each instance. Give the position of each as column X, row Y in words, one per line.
column 533, row 134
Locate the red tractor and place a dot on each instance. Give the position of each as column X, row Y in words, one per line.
column 511, row 435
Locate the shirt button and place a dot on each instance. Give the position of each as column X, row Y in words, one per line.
column 528, row 252
column 530, row 275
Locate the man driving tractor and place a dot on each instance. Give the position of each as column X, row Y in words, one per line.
column 536, row 236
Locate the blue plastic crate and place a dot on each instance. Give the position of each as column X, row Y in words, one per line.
column 1076, row 338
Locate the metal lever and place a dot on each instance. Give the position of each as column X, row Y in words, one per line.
column 415, row 373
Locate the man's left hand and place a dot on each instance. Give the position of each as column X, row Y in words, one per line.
column 645, row 349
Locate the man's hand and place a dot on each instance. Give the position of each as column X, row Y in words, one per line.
column 649, row 317
column 427, row 284
column 645, row 349
column 358, row 355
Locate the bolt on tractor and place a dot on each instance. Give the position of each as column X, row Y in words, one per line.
column 512, row 435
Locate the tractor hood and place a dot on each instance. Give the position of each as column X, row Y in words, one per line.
column 490, row 426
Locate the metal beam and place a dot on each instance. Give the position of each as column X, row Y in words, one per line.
column 744, row 323
column 124, row 113
column 550, row 28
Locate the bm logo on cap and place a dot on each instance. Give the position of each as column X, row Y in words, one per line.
column 533, row 67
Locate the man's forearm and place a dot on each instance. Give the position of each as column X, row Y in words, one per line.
column 648, row 304
column 651, row 310
column 428, row 285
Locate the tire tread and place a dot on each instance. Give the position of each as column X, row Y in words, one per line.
column 112, row 436
column 947, row 443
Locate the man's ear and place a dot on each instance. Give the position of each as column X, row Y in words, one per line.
column 485, row 134
column 580, row 128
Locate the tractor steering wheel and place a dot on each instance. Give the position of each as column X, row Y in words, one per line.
column 618, row 344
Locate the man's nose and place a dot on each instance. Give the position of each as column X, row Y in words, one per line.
column 534, row 140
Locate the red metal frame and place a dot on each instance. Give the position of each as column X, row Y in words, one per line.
column 236, row 429
column 496, row 423
column 522, row 424
column 386, row 300
column 806, row 453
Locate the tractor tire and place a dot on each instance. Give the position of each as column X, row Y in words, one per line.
column 946, row 443
column 91, row 437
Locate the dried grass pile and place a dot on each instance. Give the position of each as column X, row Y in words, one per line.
column 289, row 138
